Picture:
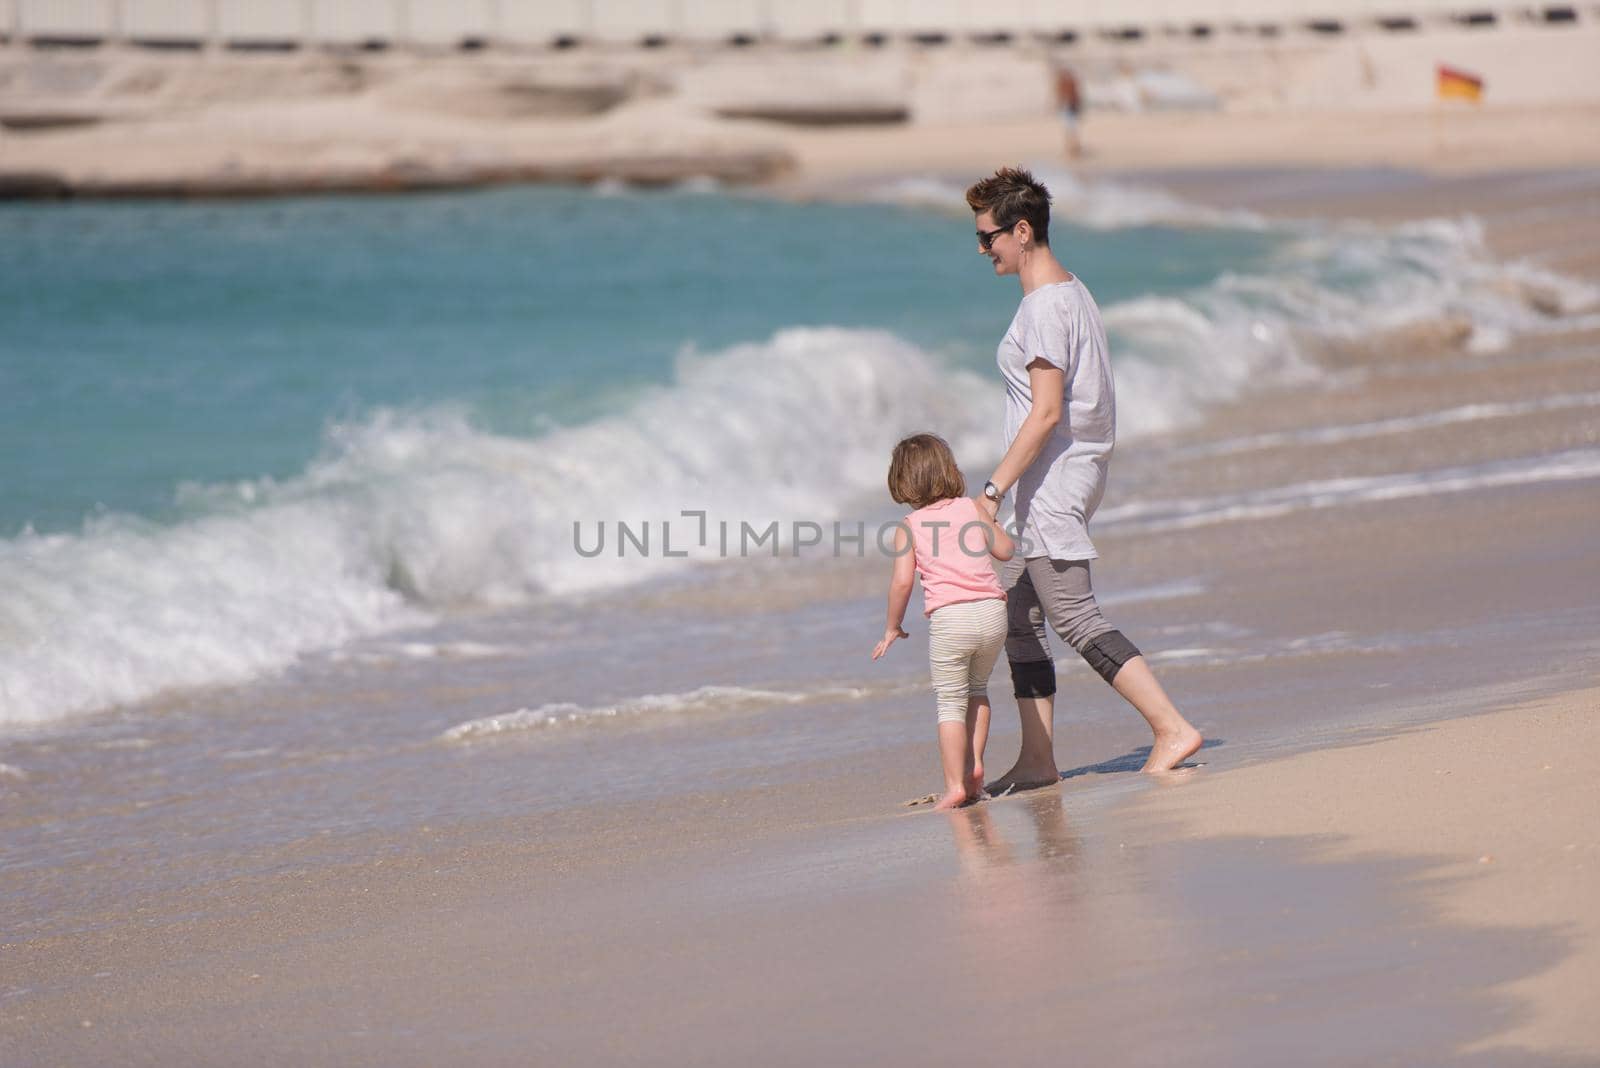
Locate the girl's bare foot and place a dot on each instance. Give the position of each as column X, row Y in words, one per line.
column 1170, row 750
column 954, row 797
column 975, row 783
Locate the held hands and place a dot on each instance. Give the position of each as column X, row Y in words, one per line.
column 986, row 507
column 889, row 637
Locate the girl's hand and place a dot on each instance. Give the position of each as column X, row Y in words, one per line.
column 888, row 639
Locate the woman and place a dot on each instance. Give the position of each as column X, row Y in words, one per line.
column 1059, row 431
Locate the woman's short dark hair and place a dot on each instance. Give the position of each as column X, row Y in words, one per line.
column 1011, row 194
column 923, row 470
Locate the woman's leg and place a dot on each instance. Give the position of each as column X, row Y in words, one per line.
column 1065, row 590
column 1176, row 739
column 1033, row 681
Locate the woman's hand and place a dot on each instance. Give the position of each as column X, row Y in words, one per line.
column 889, row 637
column 986, row 507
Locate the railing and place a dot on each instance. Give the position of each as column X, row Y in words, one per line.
column 309, row 23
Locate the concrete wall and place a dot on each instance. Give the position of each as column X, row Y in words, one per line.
column 542, row 22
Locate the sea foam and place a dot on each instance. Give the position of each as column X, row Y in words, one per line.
column 1188, row 512
column 405, row 514
column 704, row 700
column 1350, row 282
column 408, row 513
column 1094, row 205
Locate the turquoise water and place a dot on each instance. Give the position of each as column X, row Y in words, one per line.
column 236, row 434
column 152, row 344
column 330, row 610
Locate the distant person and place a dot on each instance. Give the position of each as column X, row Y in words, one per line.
column 948, row 541
column 1069, row 102
column 1060, row 426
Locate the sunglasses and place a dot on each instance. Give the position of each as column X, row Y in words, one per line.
column 986, row 237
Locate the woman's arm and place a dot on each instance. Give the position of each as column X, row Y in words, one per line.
column 1047, row 383
column 900, row 582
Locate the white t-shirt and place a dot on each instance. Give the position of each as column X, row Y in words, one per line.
column 1060, row 490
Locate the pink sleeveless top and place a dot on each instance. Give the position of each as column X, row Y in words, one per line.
column 954, row 566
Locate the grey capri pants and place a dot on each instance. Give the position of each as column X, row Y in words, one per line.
column 964, row 641
column 1039, row 591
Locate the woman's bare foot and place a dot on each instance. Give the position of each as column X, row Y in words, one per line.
column 1168, row 751
column 954, row 797
column 1022, row 777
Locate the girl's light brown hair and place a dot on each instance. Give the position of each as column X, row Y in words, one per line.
column 923, row 470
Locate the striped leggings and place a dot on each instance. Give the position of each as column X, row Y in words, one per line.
column 964, row 641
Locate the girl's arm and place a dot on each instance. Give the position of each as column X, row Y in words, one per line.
column 1001, row 547
column 900, row 582
column 1048, row 383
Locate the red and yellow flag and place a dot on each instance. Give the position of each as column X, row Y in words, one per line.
column 1455, row 84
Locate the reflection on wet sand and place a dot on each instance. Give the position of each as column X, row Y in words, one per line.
column 1010, row 890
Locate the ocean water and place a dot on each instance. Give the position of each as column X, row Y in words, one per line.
column 292, row 497
column 238, row 437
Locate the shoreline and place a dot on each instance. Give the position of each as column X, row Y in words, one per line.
column 663, row 147
column 1483, row 802
column 1373, row 853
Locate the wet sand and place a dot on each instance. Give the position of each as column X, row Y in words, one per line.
column 1311, row 893
column 822, row 924
column 1503, row 808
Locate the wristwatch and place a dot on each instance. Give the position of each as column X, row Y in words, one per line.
column 991, row 491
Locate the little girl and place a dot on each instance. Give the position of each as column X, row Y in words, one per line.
column 948, row 541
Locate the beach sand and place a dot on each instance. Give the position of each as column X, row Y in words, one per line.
column 1411, row 883
column 1307, row 895
column 1503, row 806
column 130, row 122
